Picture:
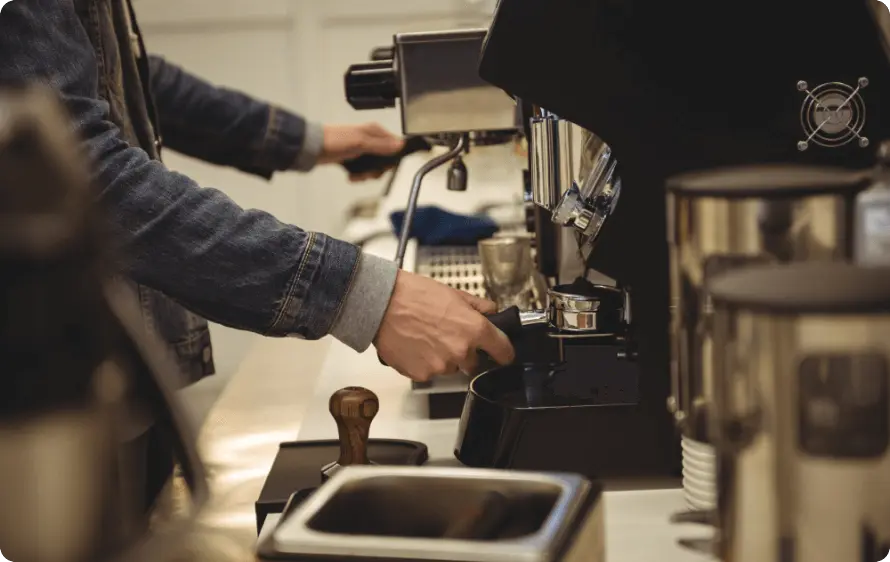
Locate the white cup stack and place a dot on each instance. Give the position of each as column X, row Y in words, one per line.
column 699, row 475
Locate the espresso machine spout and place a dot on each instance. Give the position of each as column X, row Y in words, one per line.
column 436, row 162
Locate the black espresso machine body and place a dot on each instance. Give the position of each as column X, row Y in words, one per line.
column 674, row 88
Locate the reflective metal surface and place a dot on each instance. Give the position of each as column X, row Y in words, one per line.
column 456, row 266
column 440, row 87
column 574, row 174
column 579, row 313
column 708, row 236
column 774, row 488
column 437, row 161
column 444, row 488
column 552, row 170
column 507, row 268
column 587, row 206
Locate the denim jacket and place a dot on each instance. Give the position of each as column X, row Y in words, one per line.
column 188, row 246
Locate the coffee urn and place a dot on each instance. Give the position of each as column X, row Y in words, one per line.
column 726, row 218
column 801, row 418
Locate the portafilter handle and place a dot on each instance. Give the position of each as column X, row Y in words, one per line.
column 510, row 321
column 353, row 408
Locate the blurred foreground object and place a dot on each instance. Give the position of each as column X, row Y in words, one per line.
column 77, row 367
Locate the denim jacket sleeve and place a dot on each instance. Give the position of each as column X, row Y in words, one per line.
column 241, row 268
column 226, row 127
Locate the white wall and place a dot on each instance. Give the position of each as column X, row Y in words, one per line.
column 293, row 53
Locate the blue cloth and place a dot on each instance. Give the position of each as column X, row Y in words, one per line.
column 433, row 226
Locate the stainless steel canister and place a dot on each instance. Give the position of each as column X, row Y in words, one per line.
column 801, row 416
column 721, row 219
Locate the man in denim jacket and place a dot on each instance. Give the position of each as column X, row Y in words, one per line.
column 193, row 246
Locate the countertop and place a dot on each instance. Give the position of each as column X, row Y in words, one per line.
column 281, row 392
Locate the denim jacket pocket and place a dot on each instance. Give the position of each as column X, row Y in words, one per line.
column 186, row 333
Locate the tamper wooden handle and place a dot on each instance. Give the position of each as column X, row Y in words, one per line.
column 353, row 408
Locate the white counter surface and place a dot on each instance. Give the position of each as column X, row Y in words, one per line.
column 281, row 392
column 637, row 528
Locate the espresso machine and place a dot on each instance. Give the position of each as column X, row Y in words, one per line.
column 433, row 78
column 671, row 90
column 572, row 187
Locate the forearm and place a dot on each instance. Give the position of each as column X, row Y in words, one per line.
column 240, row 268
column 226, row 127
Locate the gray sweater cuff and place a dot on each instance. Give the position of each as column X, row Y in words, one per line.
column 366, row 302
column 313, row 144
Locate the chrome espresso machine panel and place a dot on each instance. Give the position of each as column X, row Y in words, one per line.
column 435, row 76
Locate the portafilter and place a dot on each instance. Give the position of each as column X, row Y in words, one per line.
column 578, row 312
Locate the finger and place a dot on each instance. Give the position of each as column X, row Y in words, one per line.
column 470, row 365
column 484, row 306
column 496, row 343
column 448, row 368
column 376, row 130
column 382, row 146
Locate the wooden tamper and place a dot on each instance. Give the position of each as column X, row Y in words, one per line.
column 352, row 408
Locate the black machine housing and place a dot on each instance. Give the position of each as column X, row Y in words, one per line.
column 676, row 87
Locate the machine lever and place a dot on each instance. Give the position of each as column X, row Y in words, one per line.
column 367, row 163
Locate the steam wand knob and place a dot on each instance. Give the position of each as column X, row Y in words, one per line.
column 457, row 175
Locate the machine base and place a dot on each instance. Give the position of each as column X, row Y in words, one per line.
column 587, row 419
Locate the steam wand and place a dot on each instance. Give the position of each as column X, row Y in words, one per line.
column 415, row 193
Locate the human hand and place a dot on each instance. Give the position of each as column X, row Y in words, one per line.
column 345, row 142
column 431, row 329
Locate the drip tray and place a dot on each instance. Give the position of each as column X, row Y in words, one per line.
column 298, row 467
column 456, row 266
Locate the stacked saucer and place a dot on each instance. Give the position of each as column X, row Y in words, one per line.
column 699, row 475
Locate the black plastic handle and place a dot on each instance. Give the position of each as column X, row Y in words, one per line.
column 367, row 163
column 507, row 321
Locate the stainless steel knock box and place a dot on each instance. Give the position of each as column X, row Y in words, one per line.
column 444, row 514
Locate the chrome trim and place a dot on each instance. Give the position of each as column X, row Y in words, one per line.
column 295, row 536
column 552, row 167
column 415, row 193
